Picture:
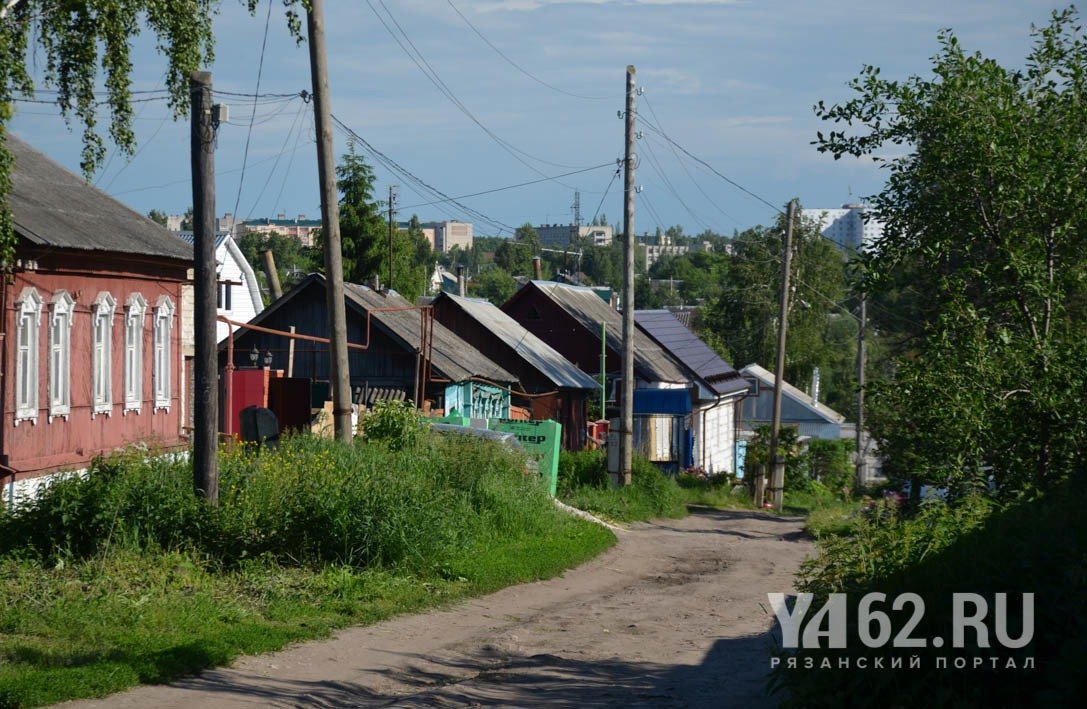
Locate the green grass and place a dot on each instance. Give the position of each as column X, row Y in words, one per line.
column 123, row 578
column 584, row 484
column 827, row 514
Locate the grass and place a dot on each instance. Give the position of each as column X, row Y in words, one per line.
column 123, row 578
column 584, row 484
column 827, row 514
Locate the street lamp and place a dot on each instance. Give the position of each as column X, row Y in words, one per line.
column 254, row 355
column 268, row 358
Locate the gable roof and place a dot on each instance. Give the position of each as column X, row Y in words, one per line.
column 651, row 362
column 189, row 237
column 453, row 358
column 451, row 355
column 537, row 353
column 822, row 410
column 671, row 334
column 51, row 206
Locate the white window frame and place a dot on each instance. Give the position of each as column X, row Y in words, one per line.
column 60, row 355
column 102, row 354
column 163, row 326
column 28, row 310
column 135, row 309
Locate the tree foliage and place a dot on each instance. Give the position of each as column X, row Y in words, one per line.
column 984, row 255
column 72, row 40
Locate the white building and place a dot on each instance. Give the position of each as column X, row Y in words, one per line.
column 239, row 293
column 562, row 235
column 846, row 226
column 448, row 234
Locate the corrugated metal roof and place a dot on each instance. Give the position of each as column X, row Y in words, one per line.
column 452, row 356
column 688, row 348
column 793, row 393
column 189, row 237
column 51, row 206
column 651, row 362
column 537, row 353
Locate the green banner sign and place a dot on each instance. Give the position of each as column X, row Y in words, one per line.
column 541, row 440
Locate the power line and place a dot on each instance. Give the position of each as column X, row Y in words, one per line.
column 249, row 132
column 655, row 164
column 606, row 190
column 294, row 124
column 521, row 69
column 510, row 187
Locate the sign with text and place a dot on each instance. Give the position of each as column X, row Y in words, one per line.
column 541, row 440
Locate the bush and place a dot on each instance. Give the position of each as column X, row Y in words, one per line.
column 394, row 423
column 584, row 483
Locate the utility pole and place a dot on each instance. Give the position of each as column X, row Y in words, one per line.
column 862, row 462
column 777, row 483
column 392, row 198
column 205, row 377
column 339, row 373
column 626, row 422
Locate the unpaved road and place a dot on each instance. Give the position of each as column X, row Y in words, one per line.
column 674, row 615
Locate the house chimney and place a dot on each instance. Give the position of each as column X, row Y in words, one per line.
column 537, row 268
column 461, row 284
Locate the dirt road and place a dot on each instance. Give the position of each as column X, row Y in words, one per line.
column 674, row 615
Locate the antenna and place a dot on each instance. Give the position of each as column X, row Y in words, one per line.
column 577, row 208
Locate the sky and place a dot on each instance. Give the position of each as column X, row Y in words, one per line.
column 534, row 92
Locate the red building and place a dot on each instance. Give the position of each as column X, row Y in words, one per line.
column 90, row 355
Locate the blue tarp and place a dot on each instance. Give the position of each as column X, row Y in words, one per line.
column 676, row 402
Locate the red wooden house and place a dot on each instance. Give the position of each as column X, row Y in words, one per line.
column 90, row 356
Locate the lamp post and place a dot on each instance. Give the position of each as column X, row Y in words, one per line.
column 254, row 356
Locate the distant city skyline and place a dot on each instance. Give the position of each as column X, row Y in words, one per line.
column 732, row 82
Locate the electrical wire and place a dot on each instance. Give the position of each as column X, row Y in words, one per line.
column 249, row 132
column 510, row 187
column 294, row 124
column 521, row 69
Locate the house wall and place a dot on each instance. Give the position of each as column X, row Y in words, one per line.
column 715, row 437
column 36, row 448
column 758, row 410
column 243, row 305
column 546, row 320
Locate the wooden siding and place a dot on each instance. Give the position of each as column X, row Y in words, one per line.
column 36, row 448
column 546, row 320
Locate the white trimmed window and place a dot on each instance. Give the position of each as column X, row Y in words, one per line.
column 135, row 309
column 28, row 310
column 60, row 355
column 164, row 323
column 102, row 355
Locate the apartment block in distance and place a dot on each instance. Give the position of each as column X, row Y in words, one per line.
column 563, row 235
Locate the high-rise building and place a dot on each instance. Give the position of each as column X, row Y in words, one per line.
column 562, row 235
column 846, row 226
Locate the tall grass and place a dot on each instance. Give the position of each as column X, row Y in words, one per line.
column 584, row 483
column 124, row 576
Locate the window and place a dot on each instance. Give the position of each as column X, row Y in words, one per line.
column 102, row 354
column 225, row 293
column 60, row 355
column 135, row 309
column 28, row 309
column 164, row 322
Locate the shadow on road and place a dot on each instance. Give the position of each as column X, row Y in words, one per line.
column 733, row 673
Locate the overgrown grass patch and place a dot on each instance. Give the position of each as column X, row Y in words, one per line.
column 584, row 484
column 123, row 577
column 827, row 513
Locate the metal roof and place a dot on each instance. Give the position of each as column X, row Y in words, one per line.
column 51, row 206
column 671, row 334
column 793, row 393
column 190, row 238
column 452, row 356
column 651, row 362
column 537, row 353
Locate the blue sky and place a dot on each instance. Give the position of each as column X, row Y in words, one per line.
column 733, row 81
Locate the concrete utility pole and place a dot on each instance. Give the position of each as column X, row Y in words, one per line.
column 862, row 462
column 339, row 373
column 626, row 425
column 272, row 274
column 392, row 199
column 777, row 484
column 205, row 376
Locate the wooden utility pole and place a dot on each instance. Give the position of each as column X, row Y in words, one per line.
column 862, row 461
column 777, row 483
column 205, row 377
column 339, row 373
column 392, row 197
column 626, row 422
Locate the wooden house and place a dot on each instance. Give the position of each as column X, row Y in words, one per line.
column 89, row 337
column 398, row 341
column 238, row 293
column 552, row 386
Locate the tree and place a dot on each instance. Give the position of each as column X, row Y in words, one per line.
column 186, row 220
column 745, row 312
column 157, row 217
column 984, row 230
column 72, row 40
column 363, row 231
column 515, row 255
column 494, row 284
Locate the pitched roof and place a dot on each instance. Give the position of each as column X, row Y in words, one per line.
column 671, row 334
column 190, row 238
column 793, row 393
column 51, row 206
column 651, row 362
column 537, row 353
column 451, row 355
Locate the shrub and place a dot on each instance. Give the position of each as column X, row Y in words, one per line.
column 394, row 423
